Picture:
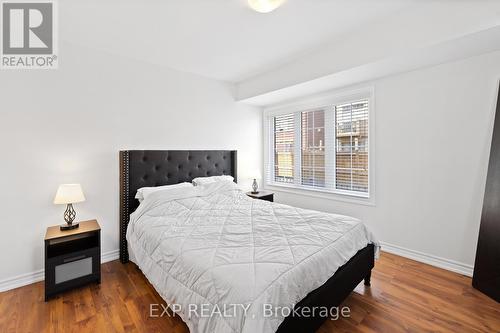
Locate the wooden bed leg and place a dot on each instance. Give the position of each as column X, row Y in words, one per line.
column 368, row 279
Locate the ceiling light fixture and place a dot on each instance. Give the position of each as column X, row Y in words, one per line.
column 265, row 6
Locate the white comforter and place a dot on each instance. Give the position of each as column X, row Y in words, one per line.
column 214, row 246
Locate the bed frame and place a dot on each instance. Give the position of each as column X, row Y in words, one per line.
column 141, row 168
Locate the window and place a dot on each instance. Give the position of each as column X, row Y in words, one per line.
column 323, row 149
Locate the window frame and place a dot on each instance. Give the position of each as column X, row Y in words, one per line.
column 328, row 102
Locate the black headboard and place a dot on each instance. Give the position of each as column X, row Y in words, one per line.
column 145, row 168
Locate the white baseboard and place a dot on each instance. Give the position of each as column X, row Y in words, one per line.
column 110, row 256
column 21, row 280
column 429, row 259
column 29, row 278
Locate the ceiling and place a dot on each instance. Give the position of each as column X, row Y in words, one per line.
column 220, row 39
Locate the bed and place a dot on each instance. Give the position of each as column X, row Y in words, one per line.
column 217, row 246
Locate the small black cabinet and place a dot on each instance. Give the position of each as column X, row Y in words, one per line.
column 262, row 195
column 72, row 257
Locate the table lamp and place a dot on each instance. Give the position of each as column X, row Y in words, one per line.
column 68, row 194
column 255, row 185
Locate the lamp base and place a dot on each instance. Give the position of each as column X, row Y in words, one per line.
column 255, row 192
column 255, row 187
column 72, row 226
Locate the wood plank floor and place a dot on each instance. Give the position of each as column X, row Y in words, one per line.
column 405, row 296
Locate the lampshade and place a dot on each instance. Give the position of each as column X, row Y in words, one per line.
column 265, row 6
column 256, row 174
column 69, row 194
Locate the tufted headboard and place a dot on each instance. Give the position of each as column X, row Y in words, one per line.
column 144, row 168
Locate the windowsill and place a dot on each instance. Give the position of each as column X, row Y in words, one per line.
column 318, row 193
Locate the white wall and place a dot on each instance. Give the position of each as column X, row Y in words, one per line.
column 433, row 133
column 68, row 125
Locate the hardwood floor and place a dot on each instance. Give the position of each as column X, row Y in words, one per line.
column 405, row 296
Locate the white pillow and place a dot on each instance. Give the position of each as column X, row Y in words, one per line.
column 208, row 180
column 144, row 192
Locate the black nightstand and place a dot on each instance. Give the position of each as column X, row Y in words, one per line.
column 72, row 257
column 262, row 195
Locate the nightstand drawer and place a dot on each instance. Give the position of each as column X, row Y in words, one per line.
column 73, row 256
column 73, row 269
column 67, row 271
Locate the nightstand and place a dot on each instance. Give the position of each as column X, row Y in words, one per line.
column 72, row 257
column 262, row 195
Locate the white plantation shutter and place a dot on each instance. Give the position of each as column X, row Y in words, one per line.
column 351, row 129
column 313, row 172
column 284, row 146
column 324, row 149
